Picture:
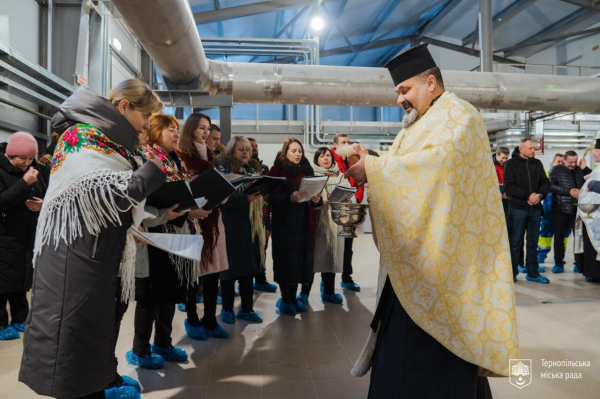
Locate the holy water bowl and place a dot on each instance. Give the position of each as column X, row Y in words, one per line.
column 349, row 216
column 589, row 209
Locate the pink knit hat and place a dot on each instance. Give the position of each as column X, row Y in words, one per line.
column 22, row 144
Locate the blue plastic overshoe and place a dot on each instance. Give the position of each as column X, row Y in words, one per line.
column 173, row 354
column 286, row 308
column 538, row 279
column 151, row 362
column 335, row 298
column 227, row 317
column 252, row 317
column 558, row 269
column 268, row 287
column 130, row 382
column 195, row 332
column 20, row 327
column 8, row 333
column 350, row 286
column 122, row 392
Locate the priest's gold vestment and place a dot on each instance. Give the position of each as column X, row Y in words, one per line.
column 439, row 225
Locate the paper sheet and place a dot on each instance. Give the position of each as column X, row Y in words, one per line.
column 184, row 245
column 313, row 185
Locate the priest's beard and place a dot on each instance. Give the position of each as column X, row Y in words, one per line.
column 410, row 118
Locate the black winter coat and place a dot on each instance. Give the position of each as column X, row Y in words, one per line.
column 243, row 250
column 562, row 180
column 522, row 177
column 17, row 225
column 292, row 228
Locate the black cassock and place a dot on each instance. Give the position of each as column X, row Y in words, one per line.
column 591, row 267
column 410, row 363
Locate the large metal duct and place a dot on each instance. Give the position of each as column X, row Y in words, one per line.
column 167, row 30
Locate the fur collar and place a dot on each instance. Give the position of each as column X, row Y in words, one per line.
column 232, row 164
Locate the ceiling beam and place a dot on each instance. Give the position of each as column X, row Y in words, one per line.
column 550, row 39
column 219, row 23
column 338, row 27
column 465, row 50
column 437, row 18
column 591, row 4
column 569, row 22
column 501, row 18
column 249, row 9
column 338, row 14
column 383, row 16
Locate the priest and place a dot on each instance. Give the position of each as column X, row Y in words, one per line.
column 446, row 318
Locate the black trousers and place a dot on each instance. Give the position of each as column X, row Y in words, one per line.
column 210, row 291
column 19, row 307
column 410, row 363
column 347, row 273
column 328, row 284
column 563, row 223
column 147, row 313
column 288, row 292
column 246, row 293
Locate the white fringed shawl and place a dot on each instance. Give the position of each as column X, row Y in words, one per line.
column 89, row 174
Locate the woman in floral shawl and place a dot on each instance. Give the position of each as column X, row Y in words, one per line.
column 93, row 198
column 170, row 275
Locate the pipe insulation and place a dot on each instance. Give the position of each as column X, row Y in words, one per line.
column 167, row 30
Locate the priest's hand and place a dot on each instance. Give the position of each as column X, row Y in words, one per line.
column 583, row 163
column 358, row 171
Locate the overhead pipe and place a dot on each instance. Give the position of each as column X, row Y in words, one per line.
column 168, row 32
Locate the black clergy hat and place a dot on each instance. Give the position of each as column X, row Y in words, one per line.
column 410, row 62
column 597, row 138
column 597, row 146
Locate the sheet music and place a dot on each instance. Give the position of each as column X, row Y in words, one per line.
column 313, row 185
column 184, row 245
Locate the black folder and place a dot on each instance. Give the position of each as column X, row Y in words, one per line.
column 213, row 186
column 171, row 193
column 265, row 185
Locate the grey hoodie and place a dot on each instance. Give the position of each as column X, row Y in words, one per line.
column 85, row 106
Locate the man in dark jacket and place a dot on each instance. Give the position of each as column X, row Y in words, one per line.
column 565, row 182
column 525, row 184
column 500, row 158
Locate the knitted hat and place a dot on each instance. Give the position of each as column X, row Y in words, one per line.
column 22, row 144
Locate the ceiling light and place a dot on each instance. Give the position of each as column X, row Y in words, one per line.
column 317, row 23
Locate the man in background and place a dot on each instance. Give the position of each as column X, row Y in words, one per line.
column 547, row 226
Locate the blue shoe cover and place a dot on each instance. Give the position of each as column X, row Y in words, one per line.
column 122, row 392
column 218, row 332
column 514, row 279
column 181, row 307
column 9, row 333
column 20, row 327
column 558, row 269
column 538, row 279
column 322, row 287
column 252, row 317
column 541, row 269
column 335, row 298
column 541, row 258
column 576, row 269
column 198, row 333
column 300, row 307
column 522, row 269
column 265, row 287
column 592, row 279
column 227, row 317
column 286, row 308
column 151, row 362
column 130, row 382
column 219, row 300
column 350, row 286
column 303, row 298
column 172, row 354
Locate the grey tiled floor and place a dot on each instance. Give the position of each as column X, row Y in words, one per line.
column 309, row 356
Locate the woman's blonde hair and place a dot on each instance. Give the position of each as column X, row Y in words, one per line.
column 158, row 123
column 140, row 96
column 234, row 140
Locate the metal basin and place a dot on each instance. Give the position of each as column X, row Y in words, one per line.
column 349, row 216
column 589, row 209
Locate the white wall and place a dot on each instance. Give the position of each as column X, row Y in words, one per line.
column 569, row 49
